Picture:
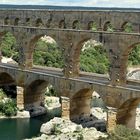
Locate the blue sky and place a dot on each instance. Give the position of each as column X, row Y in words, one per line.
column 91, row 3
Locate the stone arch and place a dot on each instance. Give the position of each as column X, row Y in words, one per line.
column 126, row 113
column 92, row 26
column 107, row 26
column 7, row 21
column 48, row 24
column 78, row 49
column 126, row 27
column 124, row 62
column 76, row 24
column 32, row 45
column 80, row 103
column 35, row 94
column 16, row 21
column 82, row 109
column 39, row 22
column 62, row 24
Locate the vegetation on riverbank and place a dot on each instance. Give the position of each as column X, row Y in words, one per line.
column 7, row 105
column 123, row 133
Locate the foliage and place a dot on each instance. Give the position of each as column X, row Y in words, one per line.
column 8, row 107
column 134, row 56
column 47, row 54
column 2, row 94
column 8, row 45
column 94, row 60
column 128, row 27
column 94, row 26
column 123, row 133
column 50, row 91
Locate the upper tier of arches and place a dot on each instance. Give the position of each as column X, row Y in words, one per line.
column 81, row 20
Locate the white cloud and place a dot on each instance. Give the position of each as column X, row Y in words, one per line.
column 91, row 3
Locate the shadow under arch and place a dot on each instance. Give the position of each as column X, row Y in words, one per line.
column 8, row 84
column 76, row 25
column 7, row 21
column 126, row 27
column 126, row 114
column 39, row 23
column 36, row 94
column 107, row 26
column 16, row 21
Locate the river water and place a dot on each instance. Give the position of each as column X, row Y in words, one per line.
column 19, row 129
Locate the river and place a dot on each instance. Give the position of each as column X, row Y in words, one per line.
column 19, row 129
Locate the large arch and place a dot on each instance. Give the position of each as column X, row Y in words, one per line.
column 36, row 96
column 48, row 46
column 124, row 62
column 126, row 113
column 84, row 106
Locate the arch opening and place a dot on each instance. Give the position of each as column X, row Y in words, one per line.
column 6, row 21
column 128, row 113
column 8, row 95
column 16, row 22
column 62, row 24
column 133, row 63
column 88, row 109
column 93, row 57
column 92, row 26
column 9, row 49
column 47, row 53
column 39, row 23
column 41, row 97
column 76, row 25
column 108, row 27
column 127, row 27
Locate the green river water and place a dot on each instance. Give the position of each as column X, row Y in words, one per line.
column 19, row 129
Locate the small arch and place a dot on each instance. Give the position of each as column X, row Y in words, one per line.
column 6, row 21
column 62, row 24
column 127, row 27
column 16, row 22
column 28, row 20
column 92, row 26
column 76, row 25
column 39, row 22
column 108, row 27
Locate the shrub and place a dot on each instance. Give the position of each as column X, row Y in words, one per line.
column 8, row 108
column 123, row 133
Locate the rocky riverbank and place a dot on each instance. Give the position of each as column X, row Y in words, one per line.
column 61, row 129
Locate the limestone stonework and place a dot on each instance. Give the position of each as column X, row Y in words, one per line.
column 116, row 90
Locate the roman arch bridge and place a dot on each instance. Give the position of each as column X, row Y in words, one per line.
column 116, row 90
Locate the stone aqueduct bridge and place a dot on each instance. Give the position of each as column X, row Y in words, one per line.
column 115, row 90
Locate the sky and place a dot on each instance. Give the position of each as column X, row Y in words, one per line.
column 89, row 3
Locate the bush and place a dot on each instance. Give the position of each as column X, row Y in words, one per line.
column 123, row 133
column 8, row 108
